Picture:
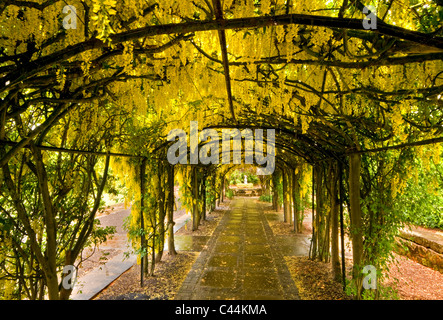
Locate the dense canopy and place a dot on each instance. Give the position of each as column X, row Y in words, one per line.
column 89, row 93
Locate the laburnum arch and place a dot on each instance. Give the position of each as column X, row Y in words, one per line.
column 352, row 109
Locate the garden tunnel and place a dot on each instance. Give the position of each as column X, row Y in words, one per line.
column 85, row 110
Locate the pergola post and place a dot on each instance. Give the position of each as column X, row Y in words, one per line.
column 342, row 231
column 195, row 214
column 356, row 217
column 143, row 258
column 335, row 261
column 170, row 211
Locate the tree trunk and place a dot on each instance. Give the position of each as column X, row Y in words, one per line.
column 267, row 187
column 342, row 228
column 318, row 209
column 313, row 246
column 335, row 261
column 170, row 212
column 322, row 217
column 213, row 204
column 51, row 232
column 327, row 237
column 285, row 196
column 274, row 192
column 161, row 220
column 66, row 292
column 203, row 191
column 356, row 218
column 219, row 193
column 143, row 258
column 296, row 199
column 289, row 193
column 222, row 189
column 195, row 215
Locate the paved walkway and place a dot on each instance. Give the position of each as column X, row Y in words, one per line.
column 242, row 260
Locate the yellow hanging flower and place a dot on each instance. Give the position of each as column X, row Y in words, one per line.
column 437, row 153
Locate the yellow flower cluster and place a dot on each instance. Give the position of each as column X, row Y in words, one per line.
column 103, row 12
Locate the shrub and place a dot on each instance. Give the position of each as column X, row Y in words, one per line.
column 265, row 198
